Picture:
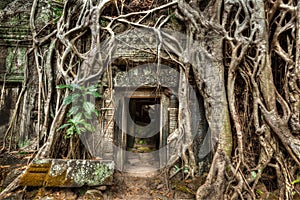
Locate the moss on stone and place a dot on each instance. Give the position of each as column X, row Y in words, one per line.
column 92, row 175
column 60, row 179
column 35, row 175
column 68, row 173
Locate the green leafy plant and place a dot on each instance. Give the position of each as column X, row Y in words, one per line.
column 103, row 22
column 58, row 11
column 24, row 143
column 295, row 181
column 141, row 141
column 186, row 170
column 259, row 192
column 253, row 174
column 82, row 109
column 176, row 169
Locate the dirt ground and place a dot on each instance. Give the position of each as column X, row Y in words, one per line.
column 125, row 186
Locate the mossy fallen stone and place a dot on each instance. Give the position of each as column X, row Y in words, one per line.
column 68, row 173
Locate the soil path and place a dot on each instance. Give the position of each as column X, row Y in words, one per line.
column 129, row 186
column 126, row 186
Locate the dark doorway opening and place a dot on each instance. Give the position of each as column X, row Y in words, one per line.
column 141, row 131
column 143, row 134
column 144, row 130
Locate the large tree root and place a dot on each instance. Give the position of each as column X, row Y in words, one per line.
column 214, row 186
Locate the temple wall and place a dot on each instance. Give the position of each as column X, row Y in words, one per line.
column 14, row 35
column 15, row 41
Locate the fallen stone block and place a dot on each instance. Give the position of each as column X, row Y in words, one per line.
column 68, row 173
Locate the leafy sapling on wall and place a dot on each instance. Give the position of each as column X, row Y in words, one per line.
column 82, row 108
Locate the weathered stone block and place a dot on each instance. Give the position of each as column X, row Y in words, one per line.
column 68, row 173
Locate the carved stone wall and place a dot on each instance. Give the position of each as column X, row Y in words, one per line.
column 15, row 41
column 137, row 45
column 147, row 75
column 107, row 111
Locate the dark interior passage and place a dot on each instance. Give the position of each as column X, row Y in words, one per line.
column 143, row 130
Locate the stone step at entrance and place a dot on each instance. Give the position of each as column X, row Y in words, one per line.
column 142, row 164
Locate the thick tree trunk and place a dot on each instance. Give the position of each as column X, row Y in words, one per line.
column 230, row 49
column 210, row 77
column 294, row 81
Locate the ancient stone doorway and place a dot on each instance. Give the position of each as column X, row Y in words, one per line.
column 143, row 135
column 142, row 119
column 144, row 131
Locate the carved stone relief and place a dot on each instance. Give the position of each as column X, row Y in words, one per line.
column 146, row 76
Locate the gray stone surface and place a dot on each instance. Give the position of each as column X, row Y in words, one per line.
column 146, row 75
column 68, row 173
